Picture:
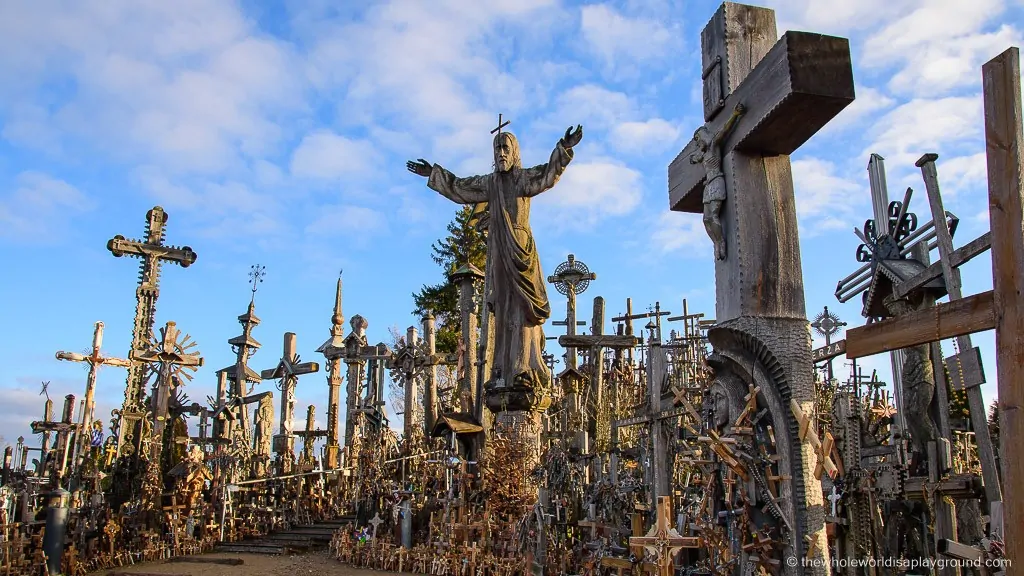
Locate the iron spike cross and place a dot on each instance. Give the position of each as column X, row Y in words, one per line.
column 43, row 391
column 256, row 275
column 500, row 125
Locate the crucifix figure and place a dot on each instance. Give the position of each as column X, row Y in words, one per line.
column 517, row 296
column 709, row 155
column 775, row 93
column 95, row 360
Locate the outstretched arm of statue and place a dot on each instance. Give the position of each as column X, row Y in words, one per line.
column 472, row 190
column 543, row 177
column 730, row 124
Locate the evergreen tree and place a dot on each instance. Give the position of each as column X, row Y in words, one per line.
column 465, row 243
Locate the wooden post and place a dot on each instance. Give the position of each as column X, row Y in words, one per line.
column 1004, row 145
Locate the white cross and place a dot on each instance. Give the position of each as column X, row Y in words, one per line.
column 833, row 498
column 376, row 521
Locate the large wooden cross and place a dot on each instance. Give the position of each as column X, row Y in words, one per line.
column 153, row 253
column 288, row 370
column 789, row 89
column 95, row 360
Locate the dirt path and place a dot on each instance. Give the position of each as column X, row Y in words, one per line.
column 312, row 564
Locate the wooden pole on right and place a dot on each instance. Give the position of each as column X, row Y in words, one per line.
column 1004, row 144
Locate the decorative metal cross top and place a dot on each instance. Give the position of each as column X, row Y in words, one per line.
column 256, row 275
column 572, row 275
column 500, row 125
column 44, row 392
column 827, row 324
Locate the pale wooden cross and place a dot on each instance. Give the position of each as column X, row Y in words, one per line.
column 790, row 89
column 375, row 522
column 288, row 370
column 662, row 540
column 95, row 360
column 500, row 125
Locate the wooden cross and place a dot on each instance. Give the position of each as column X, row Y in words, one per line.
column 500, row 125
column 95, row 360
column 288, row 370
column 1004, row 140
column 790, row 89
column 957, row 318
column 663, row 541
column 153, row 253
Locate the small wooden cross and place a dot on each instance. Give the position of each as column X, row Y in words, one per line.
column 500, row 125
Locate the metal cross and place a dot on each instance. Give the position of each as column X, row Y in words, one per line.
column 500, row 125
column 256, row 275
column 43, row 392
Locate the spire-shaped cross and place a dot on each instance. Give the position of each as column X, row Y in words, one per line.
column 500, row 125
column 256, row 275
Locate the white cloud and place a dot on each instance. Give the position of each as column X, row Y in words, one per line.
column 940, row 45
column 925, row 125
column 963, row 173
column 642, row 137
column 676, row 231
column 825, row 200
column 191, row 86
column 592, row 190
column 593, row 106
column 39, row 206
column 869, row 103
column 617, row 38
column 329, row 156
column 357, row 223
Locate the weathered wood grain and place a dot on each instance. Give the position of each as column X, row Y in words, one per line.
column 1004, row 146
column 803, row 82
column 946, row 320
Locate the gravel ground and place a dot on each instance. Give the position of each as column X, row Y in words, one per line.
column 314, row 563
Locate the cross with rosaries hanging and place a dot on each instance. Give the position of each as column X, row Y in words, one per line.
column 662, row 541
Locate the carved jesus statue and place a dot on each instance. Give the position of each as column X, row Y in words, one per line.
column 709, row 154
column 517, row 295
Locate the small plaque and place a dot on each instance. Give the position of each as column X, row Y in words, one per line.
column 965, row 369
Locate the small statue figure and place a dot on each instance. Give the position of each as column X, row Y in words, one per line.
column 710, row 155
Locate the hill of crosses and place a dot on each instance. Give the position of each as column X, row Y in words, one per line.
column 689, row 442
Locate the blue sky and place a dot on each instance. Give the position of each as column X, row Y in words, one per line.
column 276, row 133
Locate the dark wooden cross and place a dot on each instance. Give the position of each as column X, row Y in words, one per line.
column 64, row 429
column 500, row 125
column 790, row 89
column 153, row 253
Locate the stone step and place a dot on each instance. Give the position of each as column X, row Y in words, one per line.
column 289, row 538
column 253, row 547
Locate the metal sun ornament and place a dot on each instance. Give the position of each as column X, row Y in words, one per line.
column 901, row 224
column 572, row 275
column 826, row 323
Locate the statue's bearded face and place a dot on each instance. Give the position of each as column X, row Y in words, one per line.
column 506, row 152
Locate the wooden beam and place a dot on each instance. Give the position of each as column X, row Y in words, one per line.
column 947, row 320
column 828, row 352
column 803, row 82
column 959, row 257
column 600, row 341
column 1004, row 146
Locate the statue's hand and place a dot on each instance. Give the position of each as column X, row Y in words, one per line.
column 420, row 167
column 572, row 137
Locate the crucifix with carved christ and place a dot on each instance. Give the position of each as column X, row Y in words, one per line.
column 764, row 96
column 95, row 360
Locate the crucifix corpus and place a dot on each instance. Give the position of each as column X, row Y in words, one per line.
column 517, row 297
column 762, row 100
